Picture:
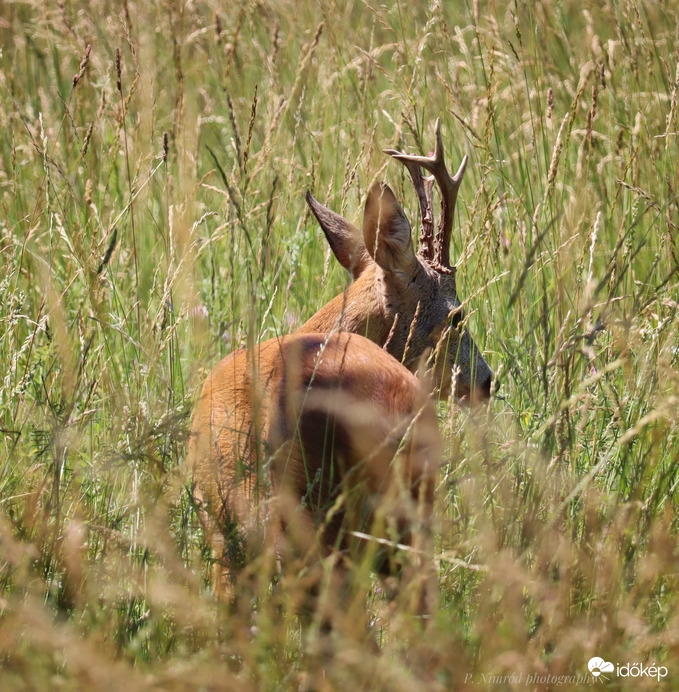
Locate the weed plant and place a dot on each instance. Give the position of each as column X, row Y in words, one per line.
column 154, row 158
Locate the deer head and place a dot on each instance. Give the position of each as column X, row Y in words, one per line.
column 406, row 301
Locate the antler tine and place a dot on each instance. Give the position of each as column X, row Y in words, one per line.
column 449, row 185
column 423, row 187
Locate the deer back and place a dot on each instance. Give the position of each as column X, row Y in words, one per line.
column 344, row 427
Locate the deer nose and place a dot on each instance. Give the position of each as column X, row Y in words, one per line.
column 485, row 386
column 481, row 391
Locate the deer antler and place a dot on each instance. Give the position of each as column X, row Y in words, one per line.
column 423, row 188
column 435, row 250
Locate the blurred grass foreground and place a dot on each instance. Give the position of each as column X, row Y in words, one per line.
column 153, row 162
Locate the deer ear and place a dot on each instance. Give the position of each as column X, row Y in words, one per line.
column 344, row 238
column 386, row 231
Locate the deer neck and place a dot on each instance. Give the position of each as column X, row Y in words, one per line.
column 361, row 309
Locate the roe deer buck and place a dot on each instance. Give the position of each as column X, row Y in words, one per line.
column 352, row 436
column 404, row 301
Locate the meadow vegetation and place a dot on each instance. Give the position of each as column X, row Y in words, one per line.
column 154, row 158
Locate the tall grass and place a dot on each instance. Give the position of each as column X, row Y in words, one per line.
column 153, row 219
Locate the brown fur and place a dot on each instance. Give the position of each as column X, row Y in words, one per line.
column 398, row 299
column 336, row 415
column 284, row 439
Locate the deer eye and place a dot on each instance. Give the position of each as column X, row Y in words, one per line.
column 458, row 316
